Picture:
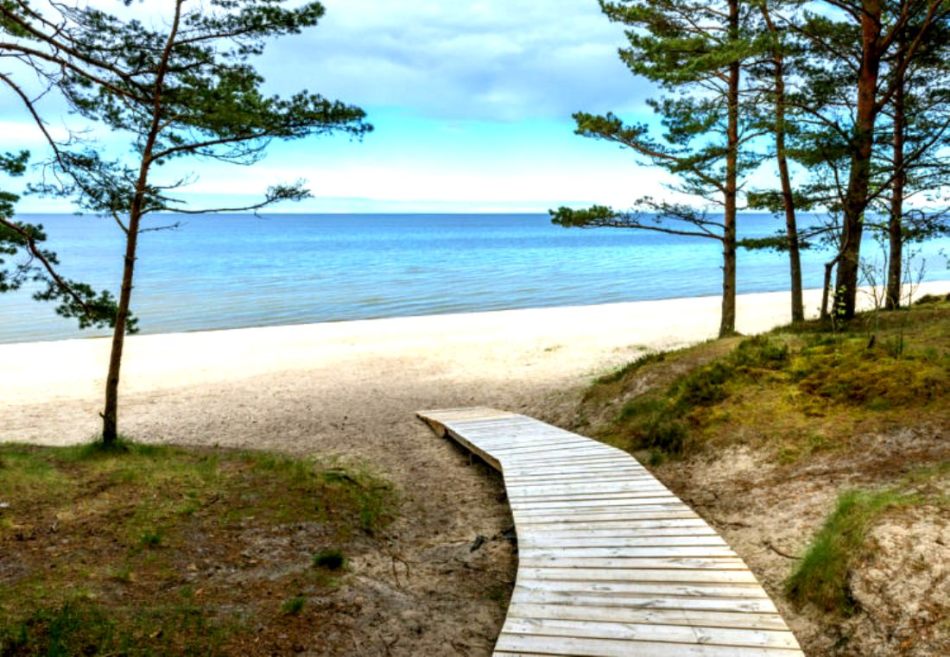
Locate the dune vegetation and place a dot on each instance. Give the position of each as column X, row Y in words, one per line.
column 156, row 550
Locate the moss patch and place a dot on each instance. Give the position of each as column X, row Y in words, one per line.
column 796, row 391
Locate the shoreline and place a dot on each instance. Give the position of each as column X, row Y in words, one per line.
column 92, row 334
column 558, row 344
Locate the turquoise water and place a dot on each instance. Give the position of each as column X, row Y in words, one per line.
column 238, row 271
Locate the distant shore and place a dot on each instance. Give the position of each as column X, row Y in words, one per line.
column 475, row 354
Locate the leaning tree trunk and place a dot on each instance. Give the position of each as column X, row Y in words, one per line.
column 895, row 227
column 727, row 323
column 826, row 286
column 110, row 413
column 856, row 197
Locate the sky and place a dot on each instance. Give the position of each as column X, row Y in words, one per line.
column 471, row 102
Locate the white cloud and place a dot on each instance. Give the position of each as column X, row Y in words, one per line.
column 494, row 59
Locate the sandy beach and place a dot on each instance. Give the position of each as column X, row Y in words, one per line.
column 351, row 389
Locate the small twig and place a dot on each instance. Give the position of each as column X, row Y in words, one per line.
column 394, row 558
column 155, row 229
column 780, row 553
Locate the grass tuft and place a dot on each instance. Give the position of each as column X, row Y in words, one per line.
column 821, row 579
column 151, row 539
column 293, row 606
column 331, row 559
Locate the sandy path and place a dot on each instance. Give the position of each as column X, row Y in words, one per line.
column 351, row 388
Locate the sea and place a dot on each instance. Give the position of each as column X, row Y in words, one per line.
column 233, row 271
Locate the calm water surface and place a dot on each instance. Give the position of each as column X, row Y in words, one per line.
column 237, row 271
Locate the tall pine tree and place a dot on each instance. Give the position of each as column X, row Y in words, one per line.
column 694, row 51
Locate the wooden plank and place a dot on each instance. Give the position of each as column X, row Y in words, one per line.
column 624, row 563
column 599, row 456
column 735, row 620
column 665, row 589
column 652, row 632
column 587, row 504
column 619, row 532
column 619, row 516
column 611, row 562
column 521, row 643
column 624, row 552
column 638, row 575
column 605, row 525
column 607, row 464
column 619, row 497
column 644, row 601
column 540, row 540
column 597, row 507
column 547, row 489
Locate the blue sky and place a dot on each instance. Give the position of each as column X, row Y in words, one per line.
column 471, row 101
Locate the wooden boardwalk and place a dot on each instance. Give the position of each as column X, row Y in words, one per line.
column 610, row 562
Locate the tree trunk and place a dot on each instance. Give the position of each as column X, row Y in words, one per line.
column 727, row 323
column 862, row 142
column 826, row 287
column 788, row 200
column 110, row 414
column 791, row 225
column 895, row 226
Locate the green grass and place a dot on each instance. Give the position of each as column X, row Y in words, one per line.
column 293, row 606
column 798, row 390
column 331, row 559
column 101, row 540
column 821, row 577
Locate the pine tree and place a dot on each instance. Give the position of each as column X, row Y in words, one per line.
column 847, row 49
column 694, row 51
column 184, row 88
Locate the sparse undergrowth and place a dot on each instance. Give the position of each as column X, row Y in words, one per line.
column 149, row 550
column 796, row 390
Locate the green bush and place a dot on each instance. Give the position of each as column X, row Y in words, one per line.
column 760, row 352
column 332, row 559
column 704, row 386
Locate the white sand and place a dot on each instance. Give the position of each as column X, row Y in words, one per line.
column 546, row 346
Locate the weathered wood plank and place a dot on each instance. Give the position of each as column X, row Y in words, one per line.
column 651, row 632
column 638, row 575
column 735, row 620
column 666, row 589
column 644, row 601
column 610, row 561
column 544, row 645
column 541, row 541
